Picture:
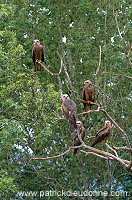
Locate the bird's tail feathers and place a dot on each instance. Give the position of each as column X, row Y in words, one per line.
column 72, row 122
column 76, row 151
column 87, row 108
column 73, row 125
column 37, row 67
column 93, row 144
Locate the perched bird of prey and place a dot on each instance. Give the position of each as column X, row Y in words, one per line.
column 81, row 130
column 69, row 111
column 38, row 54
column 88, row 95
column 103, row 134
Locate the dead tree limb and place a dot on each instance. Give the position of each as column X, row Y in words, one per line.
column 123, row 40
column 98, row 68
column 116, row 74
column 46, row 68
column 88, row 153
column 53, row 74
column 60, row 155
column 121, row 161
column 117, row 24
column 126, row 164
column 89, row 102
column 89, row 138
column 111, row 149
column 122, row 148
column 128, row 56
column 97, row 72
column 103, row 92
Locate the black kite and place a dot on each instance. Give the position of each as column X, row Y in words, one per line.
column 103, row 134
column 88, row 95
column 38, row 55
column 69, row 111
column 81, row 130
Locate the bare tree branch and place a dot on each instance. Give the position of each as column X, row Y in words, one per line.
column 53, row 74
column 119, row 29
column 123, row 148
column 60, row 85
column 121, row 161
column 117, row 74
column 128, row 56
column 98, row 68
column 87, row 153
column 61, row 63
column 45, row 68
column 129, row 166
column 59, row 117
column 111, row 149
column 89, row 138
column 103, row 92
column 62, row 154
column 89, row 102
column 68, row 77
column 99, row 108
column 106, row 155
column 97, row 72
column 123, row 40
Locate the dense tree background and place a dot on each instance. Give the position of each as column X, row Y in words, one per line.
column 29, row 125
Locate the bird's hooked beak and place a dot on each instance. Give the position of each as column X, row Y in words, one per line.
column 88, row 82
column 36, row 41
column 65, row 96
column 107, row 122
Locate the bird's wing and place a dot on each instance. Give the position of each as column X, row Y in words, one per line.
column 83, row 132
column 83, row 94
column 33, row 55
column 65, row 110
column 42, row 54
column 103, row 129
column 70, row 105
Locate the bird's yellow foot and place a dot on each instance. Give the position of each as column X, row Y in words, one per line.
column 89, row 102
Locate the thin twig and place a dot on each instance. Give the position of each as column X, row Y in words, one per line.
column 46, row 68
column 87, row 153
column 116, row 74
column 98, row 68
column 59, row 117
column 89, row 138
column 121, row 161
column 61, row 63
column 119, row 29
column 90, row 111
column 112, row 149
column 122, row 148
column 53, row 74
column 113, row 156
column 89, row 102
column 60, row 155
column 103, row 92
column 96, row 74
column 123, row 40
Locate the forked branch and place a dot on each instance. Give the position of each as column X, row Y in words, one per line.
column 105, row 155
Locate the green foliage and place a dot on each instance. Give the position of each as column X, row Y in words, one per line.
column 7, row 186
